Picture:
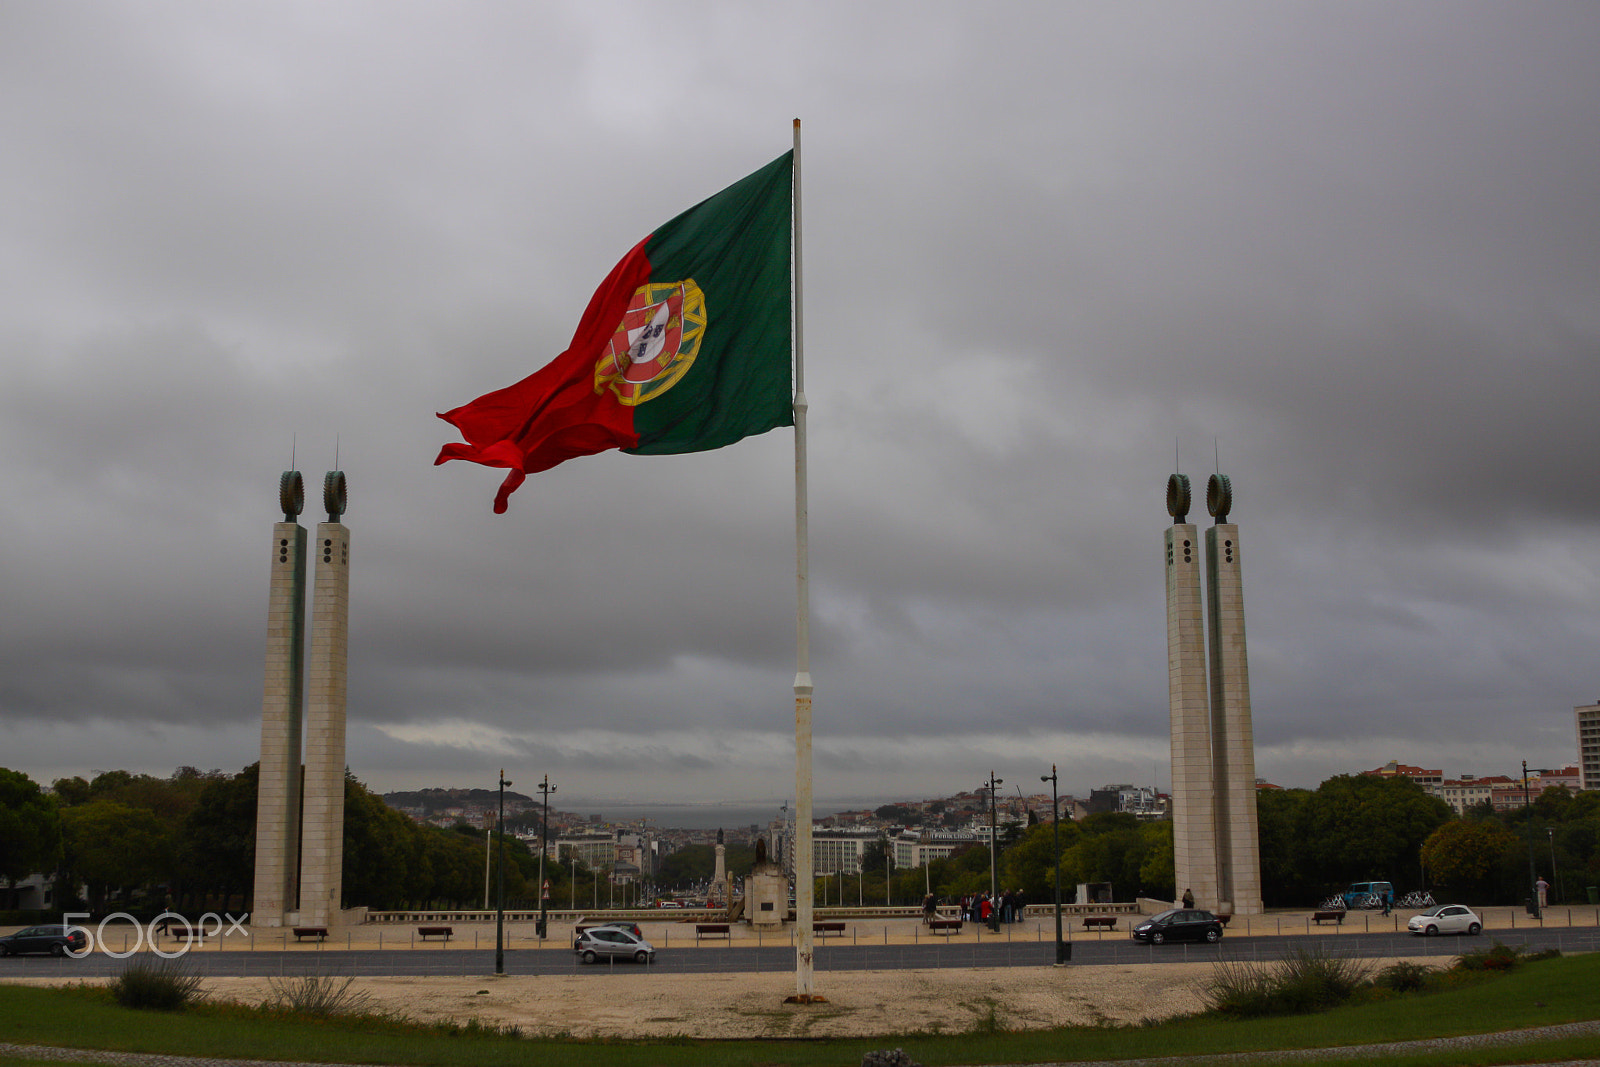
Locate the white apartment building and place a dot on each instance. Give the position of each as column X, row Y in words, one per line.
column 835, row 849
column 918, row 848
column 596, row 851
column 1588, row 721
column 1462, row 793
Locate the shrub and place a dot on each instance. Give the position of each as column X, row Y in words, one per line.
column 1240, row 990
column 1405, row 977
column 156, row 984
column 1306, row 980
column 1498, row 957
column 318, row 995
column 1316, row 980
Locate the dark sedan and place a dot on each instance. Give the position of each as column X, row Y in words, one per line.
column 1179, row 924
column 53, row 938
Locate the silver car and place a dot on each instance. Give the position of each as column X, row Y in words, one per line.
column 612, row 942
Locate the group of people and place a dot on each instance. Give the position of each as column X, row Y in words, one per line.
column 1004, row 907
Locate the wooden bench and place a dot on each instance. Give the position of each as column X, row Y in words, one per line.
column 1320, row 917
column 318, row 932
column 1105, row 922
column 945, row 926
column 426, row 932
column 828, row 928
column 182, row 931
column 712, row 930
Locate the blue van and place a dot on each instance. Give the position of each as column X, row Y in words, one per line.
column 1369, row 895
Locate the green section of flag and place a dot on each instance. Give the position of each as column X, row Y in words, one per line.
column 736, row 246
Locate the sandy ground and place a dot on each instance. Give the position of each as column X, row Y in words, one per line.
column 753, row 1005
column 629, row 1002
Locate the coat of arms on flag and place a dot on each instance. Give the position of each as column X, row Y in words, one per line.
column 656, row 342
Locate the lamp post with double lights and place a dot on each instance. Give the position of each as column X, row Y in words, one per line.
column 1533, row 874
column 1055, row 839
column 500, row 913
column 994, row 852
column 544, row 834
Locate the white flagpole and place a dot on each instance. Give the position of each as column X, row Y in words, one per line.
column 802, row 679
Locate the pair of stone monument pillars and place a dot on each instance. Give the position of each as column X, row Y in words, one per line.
column 300, row 815
column 1216, row 843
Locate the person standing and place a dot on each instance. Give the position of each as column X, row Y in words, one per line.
column 1188, row 898
column 1544, row 891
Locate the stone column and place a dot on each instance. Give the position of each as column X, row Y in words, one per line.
column 1193, row 805
column 278, row 787
column 322, row 843
column 1233, row 743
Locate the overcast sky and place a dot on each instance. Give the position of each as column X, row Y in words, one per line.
column 1050, row 248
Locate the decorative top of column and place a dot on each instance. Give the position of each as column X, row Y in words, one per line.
column 1219, row 497
column 1178, row 498
column 334, row 495
column 291, row 495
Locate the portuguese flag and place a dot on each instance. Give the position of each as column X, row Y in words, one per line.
column 686, row 346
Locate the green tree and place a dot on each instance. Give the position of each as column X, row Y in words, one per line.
column 380, row 847
column 962, row 873
column 112, row 847
column 453, row 867
column 1468, row 856
column 1361, row 827
column 690, row 865
column 1109, row 849
column 217, row 842
column 30, row 830
column 1030, row 864
column 1157, row 876
column 1284, row 880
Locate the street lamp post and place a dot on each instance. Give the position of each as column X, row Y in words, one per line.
column 500, row 914
column 994, row 853
column 1555, row 883
column 1533, row 876
column 488, row 843
column 544, row 832
column 1055, row 839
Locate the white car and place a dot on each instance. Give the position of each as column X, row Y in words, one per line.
column 1446, row 919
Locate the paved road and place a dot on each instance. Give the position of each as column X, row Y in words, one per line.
column 830, row 956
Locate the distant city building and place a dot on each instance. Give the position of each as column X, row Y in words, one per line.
column 1140, row 800
column 1568, row 777
column 1423, row 777
column 1469, row 790
column 918, row 848
column 597, row 851
column 835, row 849
column 1588, row 720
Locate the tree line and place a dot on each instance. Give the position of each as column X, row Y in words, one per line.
column 138, row 842
column 1314, row 843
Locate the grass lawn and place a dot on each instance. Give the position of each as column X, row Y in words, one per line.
column 1539, row 993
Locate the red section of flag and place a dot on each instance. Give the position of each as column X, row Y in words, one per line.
column 555, row 414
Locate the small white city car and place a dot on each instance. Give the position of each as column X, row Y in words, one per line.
column 1446, row 919
column 613, row 942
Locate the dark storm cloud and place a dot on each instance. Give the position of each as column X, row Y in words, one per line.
column 1350, row 252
